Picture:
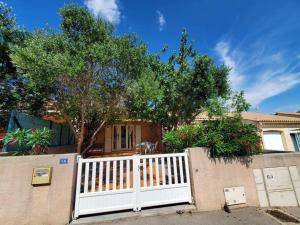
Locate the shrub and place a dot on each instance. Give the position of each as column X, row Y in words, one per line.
column 225, row 137
column 31, row 141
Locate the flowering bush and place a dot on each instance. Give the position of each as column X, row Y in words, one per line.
column 225, row 137
column 31, row 141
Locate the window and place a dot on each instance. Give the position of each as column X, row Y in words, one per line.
column 296, row 141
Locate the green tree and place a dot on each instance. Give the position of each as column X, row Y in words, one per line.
column 84, row 68
column 173, row 93
column 14, row 91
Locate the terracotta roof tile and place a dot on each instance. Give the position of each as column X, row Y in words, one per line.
column 260, row 117
column 257, row 117
column 289, row 114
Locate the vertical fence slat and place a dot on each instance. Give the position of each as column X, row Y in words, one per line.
column 107, row 180
column 163, row 170
column 121, row 174
column 100, row 176
column 151, row 172
column 128, row 173
column 157, row 171
column 114, row 175
column 181, row 170
column 94, row 177
column 175, row 169
column 169, row 171
column 145, row 172
column 86, row 177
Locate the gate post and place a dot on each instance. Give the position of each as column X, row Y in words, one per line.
column 188, row 178
column 78, row 185
column 136, row 182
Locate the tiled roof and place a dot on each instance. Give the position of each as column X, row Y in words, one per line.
column 289, row 114
column 257, row 117
column 260, row 117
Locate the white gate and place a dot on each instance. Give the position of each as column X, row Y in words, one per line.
column 133, row 182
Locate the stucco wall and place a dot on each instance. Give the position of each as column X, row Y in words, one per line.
column 210, row 176
column 21, row 203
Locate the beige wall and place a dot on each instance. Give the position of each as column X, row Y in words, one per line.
column 23, row 204
column 209, row 176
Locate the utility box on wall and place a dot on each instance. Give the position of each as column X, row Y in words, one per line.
column 235, row 195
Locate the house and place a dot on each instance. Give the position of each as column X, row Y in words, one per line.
column 280, row 132
column 126, row 137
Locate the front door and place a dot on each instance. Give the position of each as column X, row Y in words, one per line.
column 123, row 137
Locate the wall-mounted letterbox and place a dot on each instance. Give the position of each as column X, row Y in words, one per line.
column 41, row 176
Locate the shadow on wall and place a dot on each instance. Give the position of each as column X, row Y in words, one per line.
column 244, row 160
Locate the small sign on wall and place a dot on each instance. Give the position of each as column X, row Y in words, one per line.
column 63, row 161
column 41, row 176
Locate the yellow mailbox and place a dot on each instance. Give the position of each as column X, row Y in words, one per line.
column 41, row 176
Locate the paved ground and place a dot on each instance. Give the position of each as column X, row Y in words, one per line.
column 241, row 216
column 294, row 211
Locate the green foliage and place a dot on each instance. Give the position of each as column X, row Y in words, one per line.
column 39, row 137
column 224, row 137
column 18, row 137
column 173, row 93
column 31, row 141
column 14, row 90
column 84, row 68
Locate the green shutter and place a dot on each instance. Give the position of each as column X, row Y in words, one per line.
column 297, row 136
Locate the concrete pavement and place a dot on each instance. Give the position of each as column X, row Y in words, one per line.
column 240, row 216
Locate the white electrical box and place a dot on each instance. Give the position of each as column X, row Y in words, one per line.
column 235, row 195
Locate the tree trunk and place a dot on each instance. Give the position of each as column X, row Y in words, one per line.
column 81, row 135
column 93, row 138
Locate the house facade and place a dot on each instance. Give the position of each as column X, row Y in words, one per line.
column 127, row 137
column 279, row 132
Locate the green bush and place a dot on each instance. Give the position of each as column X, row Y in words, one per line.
column 225, row 137
column 31, row 141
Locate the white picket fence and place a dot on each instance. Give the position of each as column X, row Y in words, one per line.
column 133, row 182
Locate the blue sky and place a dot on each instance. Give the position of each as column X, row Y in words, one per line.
column 258, row 39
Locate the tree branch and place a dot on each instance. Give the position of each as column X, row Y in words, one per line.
column 93, row 138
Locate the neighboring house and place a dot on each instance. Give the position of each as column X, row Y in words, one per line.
column 127, row 137
column 279, row 132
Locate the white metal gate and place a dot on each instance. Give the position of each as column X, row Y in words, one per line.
column 133, row 182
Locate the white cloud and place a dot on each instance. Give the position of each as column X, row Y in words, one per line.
column 235, row 78
column 260, row 75
column 161, row 20
column 106, row 9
